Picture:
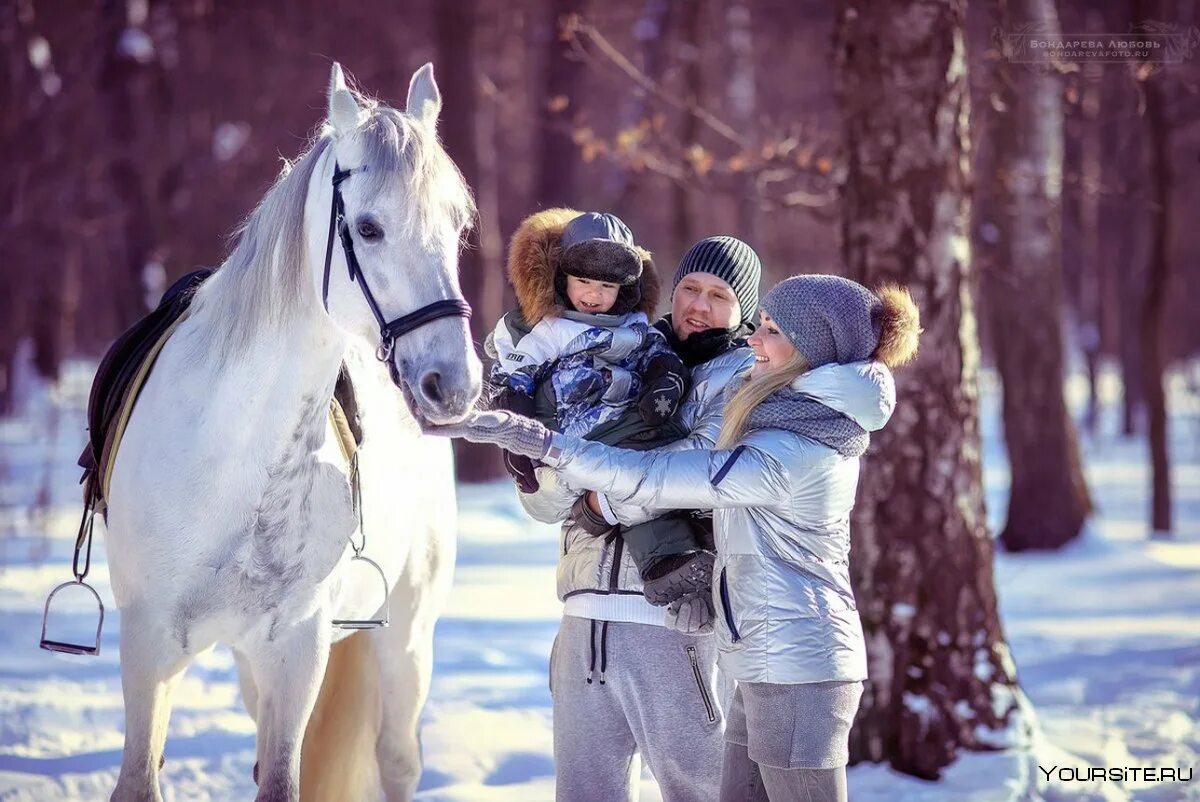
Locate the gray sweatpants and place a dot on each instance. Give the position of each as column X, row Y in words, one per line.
column 743, row 780
column 627, row 690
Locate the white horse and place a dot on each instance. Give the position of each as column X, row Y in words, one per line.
column 230, row 509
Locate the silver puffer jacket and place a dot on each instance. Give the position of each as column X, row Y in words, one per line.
column 785, row 609
column 589, row 564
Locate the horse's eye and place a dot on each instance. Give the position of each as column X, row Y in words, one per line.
column 369, row 231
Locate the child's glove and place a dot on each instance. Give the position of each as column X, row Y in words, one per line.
column 664, row 382
column 520, row 468
column 692, row 615
column 523, row 471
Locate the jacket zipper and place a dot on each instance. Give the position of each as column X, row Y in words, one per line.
column 725, row 608
column 614, row 576
column 712, row 716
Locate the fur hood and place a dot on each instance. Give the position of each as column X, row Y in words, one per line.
column 533, row 260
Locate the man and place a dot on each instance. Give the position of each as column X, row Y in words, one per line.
column 628, row 678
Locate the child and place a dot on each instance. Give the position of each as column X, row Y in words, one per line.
column 580, row 355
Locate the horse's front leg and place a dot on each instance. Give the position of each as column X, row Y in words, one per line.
column 287, row 673
column 152, row 662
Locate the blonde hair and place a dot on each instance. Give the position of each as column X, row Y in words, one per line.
column 753, row 392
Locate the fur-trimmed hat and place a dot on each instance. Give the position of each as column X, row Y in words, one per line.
column 537, row 264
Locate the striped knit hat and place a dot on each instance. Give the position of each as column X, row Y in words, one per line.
column 732, row 261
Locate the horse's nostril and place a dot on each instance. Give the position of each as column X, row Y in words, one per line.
column 431, row 386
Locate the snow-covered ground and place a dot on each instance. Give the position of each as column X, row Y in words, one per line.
column 1106, row 635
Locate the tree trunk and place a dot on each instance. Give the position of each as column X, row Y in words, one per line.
column 652, row 32
column 482, row 278
column 122, row 84
column 1154, row 301
column 1122, row 269
column 557, row 155
column 1091, row 277
column 1133, row 402
column 1126, row 274
column 1048, row 500
column 683, row 218
column 18, row 134
column 940, row 674
column 742, row 97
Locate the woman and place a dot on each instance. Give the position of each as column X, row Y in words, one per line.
column 781, row 483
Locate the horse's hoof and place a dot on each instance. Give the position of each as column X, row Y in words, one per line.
column 256, row 772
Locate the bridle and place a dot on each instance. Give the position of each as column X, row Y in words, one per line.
column 389, row 330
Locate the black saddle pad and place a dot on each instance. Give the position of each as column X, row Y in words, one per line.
column 125, row 356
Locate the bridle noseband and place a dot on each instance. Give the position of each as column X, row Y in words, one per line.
column 388, row 330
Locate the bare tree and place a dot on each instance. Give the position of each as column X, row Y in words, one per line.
column 652, row 31
column 683, row 218
column 1092, row 273
column 1124, row 271
column 741, row 95
column 471, row 150
column 132, row 101
column 940, row 674
column 1158, row 150
column 557, row 156
column 1048, row 500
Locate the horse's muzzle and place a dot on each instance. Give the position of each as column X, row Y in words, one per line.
column 440, row 393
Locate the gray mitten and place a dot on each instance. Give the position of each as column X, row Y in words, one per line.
column 692, row 615
column 509, row 431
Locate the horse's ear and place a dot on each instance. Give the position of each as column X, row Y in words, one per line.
column 424, row 99
column 343, row 108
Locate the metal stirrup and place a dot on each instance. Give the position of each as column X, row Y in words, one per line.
column 368, row 623
column 84, row 537
column 364, row 623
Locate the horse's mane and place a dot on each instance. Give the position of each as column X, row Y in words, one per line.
column 264, row 280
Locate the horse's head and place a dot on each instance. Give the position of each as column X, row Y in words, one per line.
column 406, row 208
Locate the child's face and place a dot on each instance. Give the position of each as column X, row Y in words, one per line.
column 590, row 296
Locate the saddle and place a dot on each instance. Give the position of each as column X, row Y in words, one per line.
column 123, row 372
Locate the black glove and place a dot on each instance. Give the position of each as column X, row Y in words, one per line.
column 664, row 382
column 589, row 521
column 514, row 401
column 522, row 470
column 519, row 467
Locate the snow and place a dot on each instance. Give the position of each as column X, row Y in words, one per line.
column 1103, row 635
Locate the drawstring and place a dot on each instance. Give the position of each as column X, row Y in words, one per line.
column 603, row 651
column 592, row 649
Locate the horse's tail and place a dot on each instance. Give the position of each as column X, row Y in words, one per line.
column 337, row 761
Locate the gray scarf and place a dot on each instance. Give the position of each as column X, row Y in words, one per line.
column 796, row 412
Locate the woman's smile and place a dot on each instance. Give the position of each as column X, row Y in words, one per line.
column 771, row 347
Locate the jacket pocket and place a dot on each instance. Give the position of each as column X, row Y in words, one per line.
column 724, row 469
column 700, row 686
column 726, row 609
